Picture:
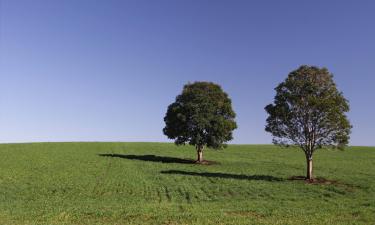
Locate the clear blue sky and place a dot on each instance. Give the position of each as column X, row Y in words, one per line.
column 84, row 70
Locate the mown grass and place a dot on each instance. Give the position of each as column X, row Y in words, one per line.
column 74, row 183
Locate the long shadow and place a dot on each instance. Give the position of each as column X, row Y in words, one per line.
column 224, row 175
column 151, row 158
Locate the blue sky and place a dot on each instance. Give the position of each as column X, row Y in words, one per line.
column 83, row 70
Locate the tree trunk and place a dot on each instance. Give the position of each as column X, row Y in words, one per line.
column 309, row 173
column 200, row 154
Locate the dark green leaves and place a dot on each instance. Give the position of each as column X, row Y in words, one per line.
column 201, row 115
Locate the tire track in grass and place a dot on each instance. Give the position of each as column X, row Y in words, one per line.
column 181, row 194
column 197, row 192
column 230, row 193
column 184, row 194
column 167, row 194
column 120, row 188
column 145, row 192
column 158, row 194
column 187, row 197
column 206, row 193
column 150, row 193
column 100, row 180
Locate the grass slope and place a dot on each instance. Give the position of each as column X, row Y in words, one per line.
column 71, row 183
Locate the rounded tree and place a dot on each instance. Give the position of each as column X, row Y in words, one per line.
column 202, row 115
column 309, row 111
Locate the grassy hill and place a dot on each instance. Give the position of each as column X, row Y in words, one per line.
column 154, row 183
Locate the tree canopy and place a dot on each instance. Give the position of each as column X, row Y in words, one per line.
column 202, row 115
column 309, row 111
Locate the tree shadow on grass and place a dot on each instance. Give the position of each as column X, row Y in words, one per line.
column 151, row 158
column 224, row 175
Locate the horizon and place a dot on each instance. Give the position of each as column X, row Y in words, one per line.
column 79, row 71
column 170, row 142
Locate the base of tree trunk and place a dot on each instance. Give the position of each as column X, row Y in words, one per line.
column 199, row 153
column 206, row 162
column 201, row 162
column 318, row 180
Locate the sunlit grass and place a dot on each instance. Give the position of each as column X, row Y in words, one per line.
column 72, row 183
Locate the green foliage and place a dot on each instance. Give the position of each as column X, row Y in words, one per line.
column 201, row 115
column 70, row 183
column 309, row 111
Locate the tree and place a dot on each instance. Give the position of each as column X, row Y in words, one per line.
column 309, row 111
column 202, row 115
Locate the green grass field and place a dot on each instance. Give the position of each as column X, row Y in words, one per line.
column 151, row 183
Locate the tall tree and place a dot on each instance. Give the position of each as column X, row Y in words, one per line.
column 309, row 111
column 202, row 115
